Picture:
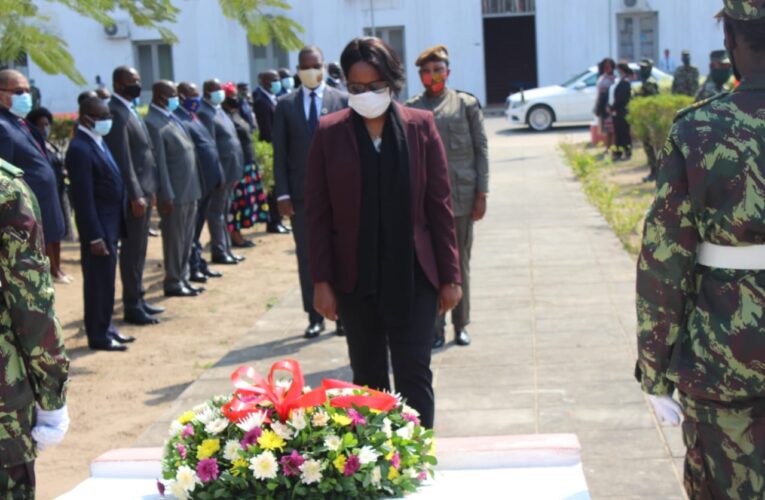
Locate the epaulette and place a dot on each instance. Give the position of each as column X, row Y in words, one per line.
column 413, row 100
column 10, row 169
column 470, row 95
column 697, row 105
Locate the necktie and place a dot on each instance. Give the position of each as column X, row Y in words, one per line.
column 25, row 126
column 110, row 157
column 313, row 116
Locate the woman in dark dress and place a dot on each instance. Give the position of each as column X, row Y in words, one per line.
column 382, row 245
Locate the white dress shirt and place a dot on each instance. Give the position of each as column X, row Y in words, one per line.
column 612, row 91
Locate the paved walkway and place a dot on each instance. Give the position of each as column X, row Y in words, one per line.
column 553, row 330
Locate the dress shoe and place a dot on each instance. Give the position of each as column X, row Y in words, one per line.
column 153, row 233
column 139, row 317
column 277, row 229
column 212, row 274
column 224, row 259
column 461, row 337
column 181, row 292
column 152, row 310
column 196, row 289
column 110, row 345
column 439, row 339
column 198, row 277
column 122, row 339
column 243, row 244
column 339, row 329
column 314, row 329
column 238, row 258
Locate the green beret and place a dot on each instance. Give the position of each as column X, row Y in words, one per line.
column 744, row 10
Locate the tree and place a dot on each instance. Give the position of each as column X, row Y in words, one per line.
column 24, row 29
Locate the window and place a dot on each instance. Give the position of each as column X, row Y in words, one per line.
column 508, row 7
column 395, row 38
column 266, row 57
column 154, row 62
column 638, row 36
column 21, row 64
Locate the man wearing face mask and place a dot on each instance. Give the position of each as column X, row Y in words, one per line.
column 460, row 124
column 231, row 157
column 718, row 80
column 211, row 175
column 22, row 145
column 100, row 200
column 295, row 120
column 245, row 104
column 179, row 187
column 288, row 81
column 128, row 141
column 686, row 81
column 335, row 77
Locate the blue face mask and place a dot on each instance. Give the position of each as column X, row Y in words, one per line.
column 173, row 103
column 102, row 127
column 276, row 87
column 288, row 83
column 217, row 97
column 192, row 104
column 21, row 105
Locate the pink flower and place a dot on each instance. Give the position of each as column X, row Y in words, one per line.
column 207, row 470
column 181, row 450
column 395, row 460
column 251, row 437
column 422, row 476
column 291, row 463
column 351, row 465
column 356, row 418
column 187, row 431
column 411, row 418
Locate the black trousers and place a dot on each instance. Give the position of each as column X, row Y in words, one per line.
column 98, row 274
column 300, row 234
column 370, row 339
column 623, row 135
column 133, row 258
column 197, row 263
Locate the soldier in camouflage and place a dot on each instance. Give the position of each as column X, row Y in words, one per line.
column 649, row 87
column 701, row 276
column 686, row 80
column 719, row 76
column 33, row 364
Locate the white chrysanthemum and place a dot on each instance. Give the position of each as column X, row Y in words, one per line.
column 187, row 478
column 409, row 472
column 208, row 415
column 282, row 430
column 320, row 419
column 310, row 471
column 368, row 455
column 387, row 427
column 264, row 466
column 252, row 420
column 332, row 442
column 408, row 409
column 376, row 476
column 175, row 428
column 177, row 490
column 216, row 426
column 297, row 419
column 231, row 450
column 406, row 431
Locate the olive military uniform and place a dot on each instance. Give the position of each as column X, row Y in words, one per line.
column 686, row 80
column 33, row 364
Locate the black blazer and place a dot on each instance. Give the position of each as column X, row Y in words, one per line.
column 264, row 113
column 622, row 96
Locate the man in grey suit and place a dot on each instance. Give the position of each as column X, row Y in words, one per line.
column 232, row 159
column 179, row 187
column 295, row 119
column 129, row 143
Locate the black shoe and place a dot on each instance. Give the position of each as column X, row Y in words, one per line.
column 339, row 329
column 139, row 317
column 198, row 277
column 181, row 292
column 238, row 258
column 212, row 274
column 277, row 229
column 110, row 345
column 122, row 339
column 246, row 244
column 649, row 178
column 314, row 329
column 224, row 259
column 461, row 337
column 440, row 339
column 197, row 289
column 152, row 310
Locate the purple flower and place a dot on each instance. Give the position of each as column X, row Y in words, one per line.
column 395, row 460
column 181, row 450
column 207, row 470
column 187, row 431
column 351, row 465
column 411, row 418
column 251, row 437
column 291, row 463
column 356, row 418
column 161, row 488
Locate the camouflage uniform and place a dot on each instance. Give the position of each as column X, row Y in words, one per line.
column 710, row 89
column 33, row 364
column 686, row 80
column 700, row 329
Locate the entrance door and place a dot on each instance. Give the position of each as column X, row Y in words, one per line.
column 155, row 62
column 510, row 52
column 638, row 36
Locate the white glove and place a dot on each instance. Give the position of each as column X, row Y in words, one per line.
column 50, row 427
column 667, row 409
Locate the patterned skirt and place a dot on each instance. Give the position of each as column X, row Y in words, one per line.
column 249, row 205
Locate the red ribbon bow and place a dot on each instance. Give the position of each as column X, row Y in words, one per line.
column 249, row 397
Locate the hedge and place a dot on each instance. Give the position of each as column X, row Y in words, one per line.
column 651, row 118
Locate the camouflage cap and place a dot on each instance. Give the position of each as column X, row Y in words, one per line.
column 436, row 53
column 744, row 10
column 720, row 56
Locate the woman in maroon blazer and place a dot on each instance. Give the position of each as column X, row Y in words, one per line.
column 383, row 252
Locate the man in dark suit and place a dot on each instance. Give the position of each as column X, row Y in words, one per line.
column 99, row 200
column 245, row 104
column 231, row 157
column 295, row 120
column 179, row 187
column 211, row 175
column 130, row 146
column 618, row 101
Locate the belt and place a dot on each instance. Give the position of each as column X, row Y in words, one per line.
column 751, row 258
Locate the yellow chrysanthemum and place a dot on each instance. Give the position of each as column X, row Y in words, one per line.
column 341, row 419
column 237, row 466
column 186, row 417
column 393, row 473
column 339, row 463
column 208, row 448
column 270, row 440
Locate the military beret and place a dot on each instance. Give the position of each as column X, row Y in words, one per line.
column 744, row 10
column 436, row 53
column 685, row 53
column 720, row 56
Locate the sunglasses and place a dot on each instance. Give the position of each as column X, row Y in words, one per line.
column 359, row 88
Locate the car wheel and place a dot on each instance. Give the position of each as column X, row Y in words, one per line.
column 540, row 118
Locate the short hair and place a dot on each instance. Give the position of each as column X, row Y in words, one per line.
column 751, row 31
column 86, row 95
column 285, row 73
column 380, row 55
column 87, row 105
column 310, row 49
column 624, row 67
column 121, row 72
column 38, row 113
column 8, row 74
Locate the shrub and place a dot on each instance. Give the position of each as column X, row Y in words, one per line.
column 264, row 155
column 62, row 129
column 651, row 117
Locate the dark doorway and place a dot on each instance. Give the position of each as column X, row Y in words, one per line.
column 510, row 51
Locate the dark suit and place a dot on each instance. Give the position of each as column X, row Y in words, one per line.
column 292, row 139
column 129, row 143
column 23, row 146
column 333, row 204
column 99, row 198
column 264, row 108
column 622, row 96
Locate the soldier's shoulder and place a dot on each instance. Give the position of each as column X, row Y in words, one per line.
column 8, row 170
column 468, row 98
column 415, row 101
column 692, row 112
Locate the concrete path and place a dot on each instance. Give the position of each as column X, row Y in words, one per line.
column 553, row 330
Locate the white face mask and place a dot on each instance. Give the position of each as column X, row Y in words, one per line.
column 311, row 78
column 370, row 104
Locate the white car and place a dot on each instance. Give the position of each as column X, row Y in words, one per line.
column 570, row 102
